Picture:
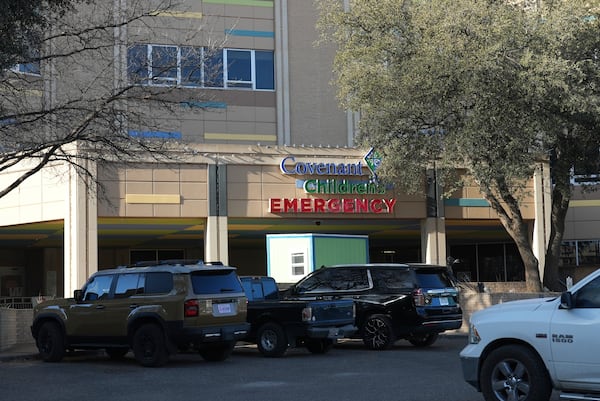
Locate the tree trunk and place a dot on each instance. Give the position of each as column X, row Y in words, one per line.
column 560, row 206
column 530, row 262
column 509, row 213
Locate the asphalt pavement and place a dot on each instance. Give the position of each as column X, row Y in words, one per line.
column 29, row 350
column 19, row 351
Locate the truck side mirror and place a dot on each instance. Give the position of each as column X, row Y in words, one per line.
column 566, row 300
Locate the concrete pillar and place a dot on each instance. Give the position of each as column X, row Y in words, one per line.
column 80, row 231
column 216, row 243
column 283, row 73
column 433, row 240
column 542, row 196
column 216, row 238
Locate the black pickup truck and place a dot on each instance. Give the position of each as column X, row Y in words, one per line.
column 279, row 324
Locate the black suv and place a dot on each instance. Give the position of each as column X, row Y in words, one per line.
column 393, row 301
column 154, row 309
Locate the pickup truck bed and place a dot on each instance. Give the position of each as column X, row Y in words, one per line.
column 276, row 325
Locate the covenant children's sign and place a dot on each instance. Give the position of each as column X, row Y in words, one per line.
column 335, row 187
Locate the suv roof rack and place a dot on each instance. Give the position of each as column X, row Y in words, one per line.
column 179, row 262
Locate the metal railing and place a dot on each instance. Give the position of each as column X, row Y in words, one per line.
column 16, row 302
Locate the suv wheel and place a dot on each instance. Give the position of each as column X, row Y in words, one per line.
column 514, row 372
column 272, row 341
column 149, row 346
column 50, row 342
column 422, row 340
column 377, row 333
column 217, row 352
column 319, row 346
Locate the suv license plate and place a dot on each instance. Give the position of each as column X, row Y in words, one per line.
column 224, row 309
column 444, row 301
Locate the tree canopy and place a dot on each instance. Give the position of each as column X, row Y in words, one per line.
column 22, row 26
column 492, row 86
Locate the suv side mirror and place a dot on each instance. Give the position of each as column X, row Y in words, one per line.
column 78, row 295
column 566, row 300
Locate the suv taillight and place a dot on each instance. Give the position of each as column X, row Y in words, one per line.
column 243, row 305
column 307, row 314
column 418, row 297
column 190, row 308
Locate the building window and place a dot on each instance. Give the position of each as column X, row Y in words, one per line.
column 186, row 66
column 494, row 262
column 580, row 253
column 27, row 68
column 298, row 263
column 164, row 64
column 154, row 255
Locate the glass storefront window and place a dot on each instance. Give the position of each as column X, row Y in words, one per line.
column 588, row 252
column 497, row 262
column 568, row 253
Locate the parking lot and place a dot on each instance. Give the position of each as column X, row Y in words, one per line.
column 348, row 372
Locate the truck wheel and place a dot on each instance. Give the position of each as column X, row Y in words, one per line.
column 422, row 340
column 50, row 342
column 319, row 346
column 149, row 347
column 217, row 352
column 272, row 341
column 514, row 372
column 377, row 333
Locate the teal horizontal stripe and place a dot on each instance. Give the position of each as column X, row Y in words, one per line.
column 205, row 105
column 466, row 202
column 251, row 3
column 243, row 32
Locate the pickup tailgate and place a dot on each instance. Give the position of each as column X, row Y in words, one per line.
column 332, row 312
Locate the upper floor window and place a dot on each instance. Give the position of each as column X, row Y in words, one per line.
column 31, row 64
column 186, row 66
column 27, row 68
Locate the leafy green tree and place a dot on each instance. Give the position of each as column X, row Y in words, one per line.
column 22, row 26
column 490, row 86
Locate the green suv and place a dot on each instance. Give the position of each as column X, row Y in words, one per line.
column 154, row 309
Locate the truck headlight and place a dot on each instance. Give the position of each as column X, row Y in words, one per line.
column 473, row 334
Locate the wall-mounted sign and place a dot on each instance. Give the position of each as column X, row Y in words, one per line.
column 318, row 205
column 318, row 184
column 335, row 186
column 290, row 166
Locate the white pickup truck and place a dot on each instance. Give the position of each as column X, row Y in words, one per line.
column 522, row 350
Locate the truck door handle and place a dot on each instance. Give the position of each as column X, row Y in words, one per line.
column 100, row 306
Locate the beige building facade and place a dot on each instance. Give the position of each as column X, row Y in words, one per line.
column 266, row 150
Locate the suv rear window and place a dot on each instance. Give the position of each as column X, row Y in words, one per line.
column 215, row 281
column 335, row 279
column 392, row 280
column 158, row 283
column 433, row 279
